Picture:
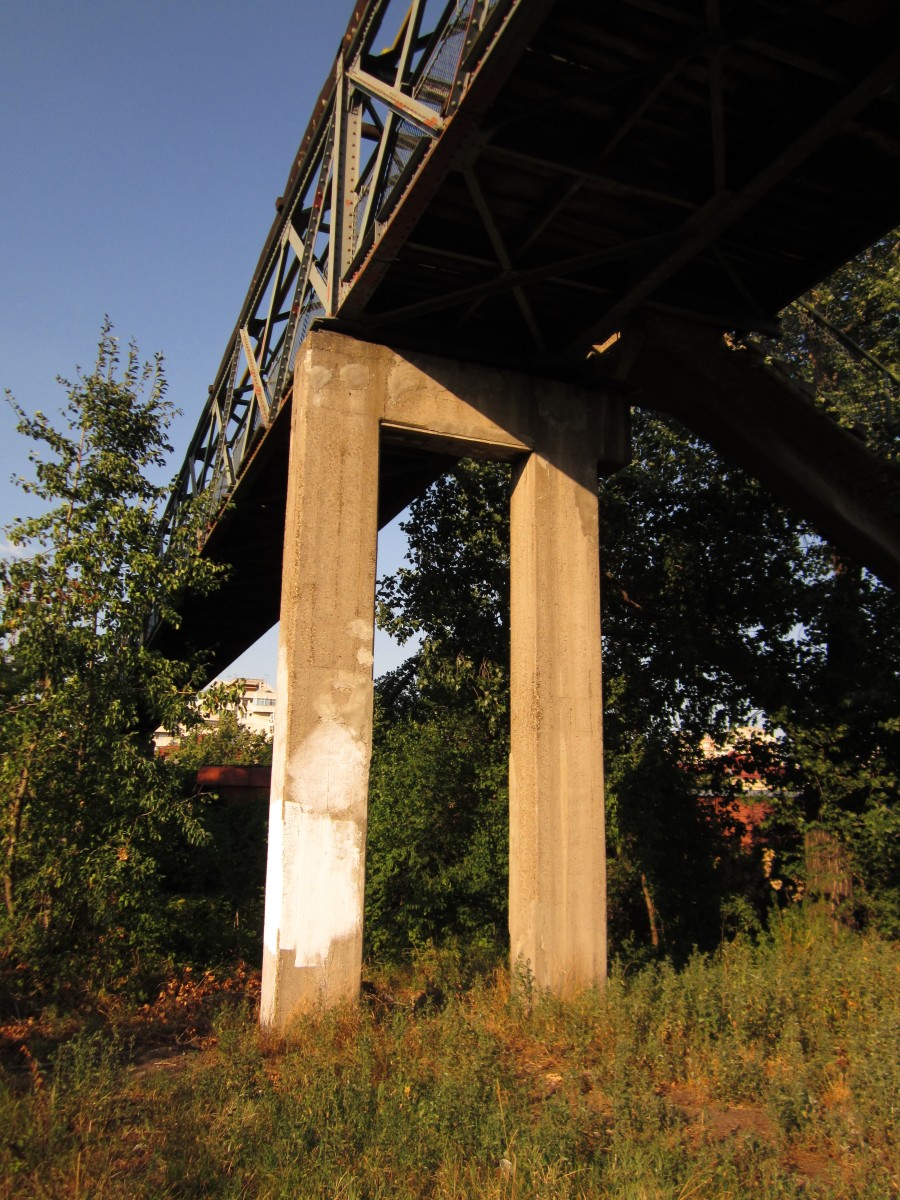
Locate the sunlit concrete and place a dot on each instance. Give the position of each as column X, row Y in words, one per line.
column 557, row 853
column 323, row 731
column 347, row 396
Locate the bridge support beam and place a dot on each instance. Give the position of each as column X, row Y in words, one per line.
column 347, row 396
column 764, row 422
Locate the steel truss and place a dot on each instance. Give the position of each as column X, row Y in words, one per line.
column 620, row 171
column 378, row 118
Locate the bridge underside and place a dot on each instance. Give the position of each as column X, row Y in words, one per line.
column 650, row 163
column 710, row 162
column 755, row 415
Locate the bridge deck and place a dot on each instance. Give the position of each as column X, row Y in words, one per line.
column 636, row 156
column 512, row 181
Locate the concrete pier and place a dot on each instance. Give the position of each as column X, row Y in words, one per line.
column 557, row 851
column 347, row 396
column 323, row 734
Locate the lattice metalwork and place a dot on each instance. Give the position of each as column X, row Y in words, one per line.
column 379, row 117
column 521, row 180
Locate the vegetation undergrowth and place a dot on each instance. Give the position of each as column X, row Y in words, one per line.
column 766, row 1070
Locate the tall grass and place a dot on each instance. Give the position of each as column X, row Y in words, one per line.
column 769, row 1070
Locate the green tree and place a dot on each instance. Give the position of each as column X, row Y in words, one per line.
column 84, row 803
column 216, row 890
column 702, row 591
column 224, row 742
column 455, row 593
column 721, row 608
column 438, row 825
column 438, row 845
column 842, row 719
column 685, row 652
column 842, row 340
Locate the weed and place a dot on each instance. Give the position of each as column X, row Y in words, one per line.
column 768, row 1070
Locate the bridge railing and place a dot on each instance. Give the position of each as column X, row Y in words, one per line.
column 858, row 389
column 377, row 116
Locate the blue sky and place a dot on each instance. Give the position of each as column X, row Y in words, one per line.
column 143, row 146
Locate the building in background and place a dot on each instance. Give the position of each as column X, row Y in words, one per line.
column 255, row 710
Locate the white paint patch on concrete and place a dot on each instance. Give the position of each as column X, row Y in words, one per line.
column 329, row 772
column 323, row 879
column 345, row 701
column 355, row 375
column 274, row 876
column 362, row 631
column 319, row 377
column 358, row 628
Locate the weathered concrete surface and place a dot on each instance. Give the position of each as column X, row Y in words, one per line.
column 345, row 392
column 320, row 771
column 557, row 886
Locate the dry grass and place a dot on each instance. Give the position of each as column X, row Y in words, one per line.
column 769, row 1071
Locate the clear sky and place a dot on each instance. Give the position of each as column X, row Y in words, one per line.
column 143, row 144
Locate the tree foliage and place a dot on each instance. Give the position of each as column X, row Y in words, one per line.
column 721, row 609
column 85, row 804
column 438, row 841
column 702, row 591
column 224, row 742
column 841, row 720
column 216, row 890
column 438, row 826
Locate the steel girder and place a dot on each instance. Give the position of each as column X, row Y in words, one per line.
column 625, row 168
column 378, row 117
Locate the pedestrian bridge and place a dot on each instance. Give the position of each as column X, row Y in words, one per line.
column 508, row 222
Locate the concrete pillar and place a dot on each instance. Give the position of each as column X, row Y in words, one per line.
column 317, row 830
column 344, row 392
column 557, row 894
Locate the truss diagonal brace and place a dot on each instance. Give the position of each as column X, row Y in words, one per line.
column 398, row 102
column 259, row 388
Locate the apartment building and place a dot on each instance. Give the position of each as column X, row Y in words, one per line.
column 255, row 711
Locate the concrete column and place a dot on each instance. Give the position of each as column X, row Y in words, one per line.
column 557, row 897
column 317, row 831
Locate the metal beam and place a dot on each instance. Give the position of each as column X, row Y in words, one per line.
column 404, row 106
column 259, row 388
column 499, row 246
column 510, row 279
column 765, row 423
column 520, row 19
column 586, row 176
column 725, row 209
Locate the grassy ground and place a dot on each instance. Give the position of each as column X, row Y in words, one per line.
column 769, row 1071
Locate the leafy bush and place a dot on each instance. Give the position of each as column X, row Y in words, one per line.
column 85, row 807
column 437, row 855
